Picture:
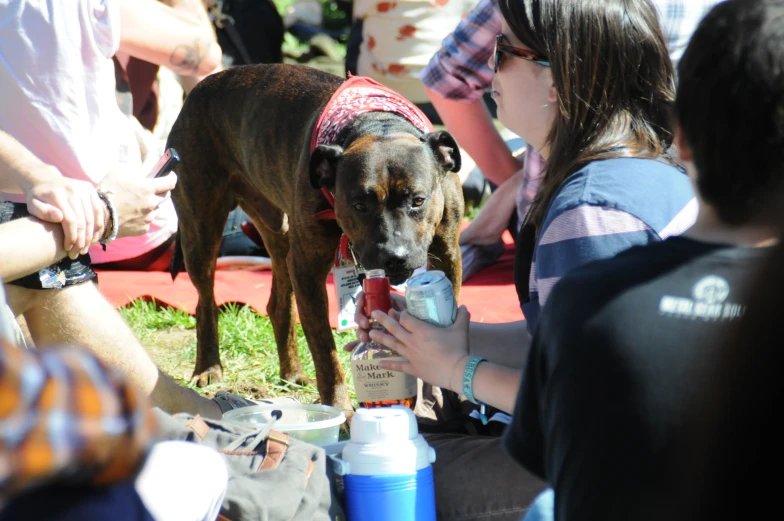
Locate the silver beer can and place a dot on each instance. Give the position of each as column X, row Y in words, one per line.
column 431, row 298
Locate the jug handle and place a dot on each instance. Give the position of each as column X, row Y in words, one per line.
column 339, row 466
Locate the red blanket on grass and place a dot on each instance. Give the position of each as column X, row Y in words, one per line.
column 489, row 295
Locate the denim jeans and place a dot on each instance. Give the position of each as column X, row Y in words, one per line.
column 118, row 502
column 543, row 507
column 180, row 481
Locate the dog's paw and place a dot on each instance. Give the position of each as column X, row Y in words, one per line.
column 342, row 401
column 209, row 376
column 296, row 379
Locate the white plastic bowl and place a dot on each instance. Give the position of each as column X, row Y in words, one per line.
column 316, row 424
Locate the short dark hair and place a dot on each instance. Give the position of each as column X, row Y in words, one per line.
column 730, row 106
column 613, row 77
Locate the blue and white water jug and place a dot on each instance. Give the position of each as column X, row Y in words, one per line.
column 386, row 468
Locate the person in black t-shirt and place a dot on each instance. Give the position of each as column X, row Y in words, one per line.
column 625, row 345
column 733, row 438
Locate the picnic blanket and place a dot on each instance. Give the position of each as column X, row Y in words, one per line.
column 489, row 295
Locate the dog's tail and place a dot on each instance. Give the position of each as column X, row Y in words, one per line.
column 177, row 263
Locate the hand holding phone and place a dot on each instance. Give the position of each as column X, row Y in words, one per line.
column 165, row 164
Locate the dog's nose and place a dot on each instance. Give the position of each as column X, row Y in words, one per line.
column 395, row 264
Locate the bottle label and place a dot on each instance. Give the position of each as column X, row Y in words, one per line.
column 373, row 384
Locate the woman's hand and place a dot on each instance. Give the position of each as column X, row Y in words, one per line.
column 437, row 355
column 363, row 323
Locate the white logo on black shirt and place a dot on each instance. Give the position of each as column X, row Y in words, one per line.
column 711, row 290
column 708, row 303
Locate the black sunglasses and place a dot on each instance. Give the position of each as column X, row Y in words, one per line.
column 502, row 48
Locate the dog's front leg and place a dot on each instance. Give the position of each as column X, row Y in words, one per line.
column 309, row 272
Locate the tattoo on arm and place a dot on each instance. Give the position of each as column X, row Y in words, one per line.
column 187, row 58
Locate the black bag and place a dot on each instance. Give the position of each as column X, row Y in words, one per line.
column 272, row 477
column 249, row 31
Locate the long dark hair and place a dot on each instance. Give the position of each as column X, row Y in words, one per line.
column 613, row 77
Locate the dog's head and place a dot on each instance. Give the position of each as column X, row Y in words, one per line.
column 388, row 196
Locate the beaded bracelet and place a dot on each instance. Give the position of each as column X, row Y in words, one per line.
column 115, row 223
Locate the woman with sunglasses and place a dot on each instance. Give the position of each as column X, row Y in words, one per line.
column 588, row 84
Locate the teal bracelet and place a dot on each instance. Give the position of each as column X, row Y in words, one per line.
column 468, row 377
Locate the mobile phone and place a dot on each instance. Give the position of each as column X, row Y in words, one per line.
column 165, row 164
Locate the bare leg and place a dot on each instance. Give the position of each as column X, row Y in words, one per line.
column 80, row 315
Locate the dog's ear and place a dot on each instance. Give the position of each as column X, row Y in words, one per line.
column 446, row 150
column 323, row 164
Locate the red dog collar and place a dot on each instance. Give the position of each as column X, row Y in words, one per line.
column 329, row 215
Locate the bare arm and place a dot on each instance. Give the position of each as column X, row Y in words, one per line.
column 471, row 125
column 439, row 355
column 36, row 244
column 63, row 206
column 173, row 38
column 52, row 197
column 20, row 169
column 493, row 384
column 503, row 344
column 496, row 385
column 192, row 10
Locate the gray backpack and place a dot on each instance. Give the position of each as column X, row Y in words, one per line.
column 272, row 477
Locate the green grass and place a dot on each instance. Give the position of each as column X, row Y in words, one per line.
column 334, row 18
column 248, row 351
column 145, row 317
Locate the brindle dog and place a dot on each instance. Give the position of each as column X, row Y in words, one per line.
column 243, row 138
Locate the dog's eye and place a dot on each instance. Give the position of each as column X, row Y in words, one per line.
column 360, row 208
column 418, row 201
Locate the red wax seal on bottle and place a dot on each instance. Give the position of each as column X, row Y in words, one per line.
column 377, row 295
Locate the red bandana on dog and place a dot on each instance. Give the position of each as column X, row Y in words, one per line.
column 356, row 96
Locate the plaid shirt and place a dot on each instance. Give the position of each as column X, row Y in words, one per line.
column 66, row 416
column 459, row 70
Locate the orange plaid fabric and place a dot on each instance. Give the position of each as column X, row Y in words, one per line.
column 65, row 416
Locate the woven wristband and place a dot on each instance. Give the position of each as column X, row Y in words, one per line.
column 468, row 377
column 115, row 223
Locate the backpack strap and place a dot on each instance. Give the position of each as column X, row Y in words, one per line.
column 199, row 426
column 219, row 14
column 277, row 445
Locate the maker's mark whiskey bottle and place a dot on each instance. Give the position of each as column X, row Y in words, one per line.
column 376, row 387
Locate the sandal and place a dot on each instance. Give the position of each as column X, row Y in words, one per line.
column 228, row 401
